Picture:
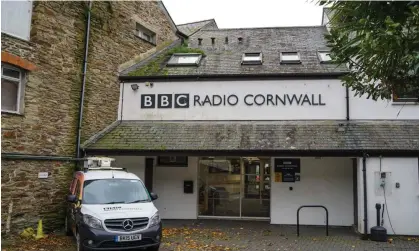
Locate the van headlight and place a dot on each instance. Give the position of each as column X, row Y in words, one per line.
column 92, row 222
column 155, row 220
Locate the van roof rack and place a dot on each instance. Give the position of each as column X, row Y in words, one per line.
column 100, row 163
column 105, row 168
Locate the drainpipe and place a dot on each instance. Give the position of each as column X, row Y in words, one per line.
column 347, row 103
column 364, row 177
column 86, row 49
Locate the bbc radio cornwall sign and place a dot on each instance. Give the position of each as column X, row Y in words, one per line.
column 236, row 100
column 186, row 100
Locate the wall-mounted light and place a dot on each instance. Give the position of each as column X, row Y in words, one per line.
column 134, row 87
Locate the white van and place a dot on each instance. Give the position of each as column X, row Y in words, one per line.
column 111, row 209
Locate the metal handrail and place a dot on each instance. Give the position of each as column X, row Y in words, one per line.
column 298, row 218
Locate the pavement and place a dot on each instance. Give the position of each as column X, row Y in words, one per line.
column 257, row 235
column 217, row 235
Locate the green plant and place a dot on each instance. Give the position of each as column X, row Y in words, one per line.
column 379, row 42
column 157, row 65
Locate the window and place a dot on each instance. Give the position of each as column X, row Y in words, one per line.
column 252, row 58
column 406, row 95
column 146, row 34
column 180, row 59
column 290, row 57
column 11, row 89
column 16, row 18
column 324, row 56
column 114, row 191
column 172, row 160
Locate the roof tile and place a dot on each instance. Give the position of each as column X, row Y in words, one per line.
column 255, row 135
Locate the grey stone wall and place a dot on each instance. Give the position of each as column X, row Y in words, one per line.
column 30, row 198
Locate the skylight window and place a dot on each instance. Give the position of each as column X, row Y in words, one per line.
column 324, row 56
column 290, row 57
column 252, row 58
column 185, row 59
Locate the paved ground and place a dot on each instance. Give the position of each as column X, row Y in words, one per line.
column 245, row 235
column 211, row 235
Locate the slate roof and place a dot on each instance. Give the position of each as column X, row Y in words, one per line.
column 190, row 28
column 225, row 59
column 257, row 135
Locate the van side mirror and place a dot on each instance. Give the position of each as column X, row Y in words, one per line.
column 72, row 198
column 153, row 196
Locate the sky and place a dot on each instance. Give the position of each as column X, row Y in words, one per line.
column 246, row 13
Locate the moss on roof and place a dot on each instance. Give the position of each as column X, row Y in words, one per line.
column 158, row 65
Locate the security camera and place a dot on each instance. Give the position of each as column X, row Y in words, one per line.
column 134, row 87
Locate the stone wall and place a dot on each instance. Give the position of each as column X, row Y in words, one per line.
column 49, row 122
column 114, row 43
column 31, row 198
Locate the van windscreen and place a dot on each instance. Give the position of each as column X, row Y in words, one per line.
column 114, row 191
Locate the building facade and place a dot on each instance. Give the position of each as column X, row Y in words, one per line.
column 45, row 45
column 255, row 123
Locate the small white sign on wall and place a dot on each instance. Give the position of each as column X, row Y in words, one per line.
column 43, row 175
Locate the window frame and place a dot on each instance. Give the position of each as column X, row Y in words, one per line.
column 141, row 32
column 321, row 59
column 174, row 163
column 411, row 100
column 197, row 62
column 282, row 61
column 12, row 34
column 252, row 62
column 19, row 105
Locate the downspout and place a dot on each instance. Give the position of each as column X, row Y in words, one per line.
column 86, row 49
column 364, row 177
column 347, row 103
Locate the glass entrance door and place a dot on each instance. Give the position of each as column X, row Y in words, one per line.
column 256, row 187
column 234, row 187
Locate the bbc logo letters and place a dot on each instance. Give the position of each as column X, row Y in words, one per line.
column 180, row 100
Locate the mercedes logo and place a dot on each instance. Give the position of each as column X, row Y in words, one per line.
column 128, row 224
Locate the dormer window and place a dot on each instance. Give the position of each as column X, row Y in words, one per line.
column 252, row 58
column 185, row 59
column 324, row 56
column 146, row 34
column 291, row 57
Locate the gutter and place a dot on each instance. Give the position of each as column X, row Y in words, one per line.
column 364, row 179
column 86, row 50
column 18, row 156
column 267, row 152
column 329, row 75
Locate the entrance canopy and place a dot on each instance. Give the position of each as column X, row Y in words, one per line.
column 304, row 138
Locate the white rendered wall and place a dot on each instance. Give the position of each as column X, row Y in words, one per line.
column 325, row 181
column 330, row 106
column 134, row 164
column 402, row 203
column 363, row 108
column 333, row 96
column 173, row 203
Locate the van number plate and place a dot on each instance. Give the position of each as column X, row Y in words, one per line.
column 136, row 237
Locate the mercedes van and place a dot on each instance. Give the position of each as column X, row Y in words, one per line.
column 111, row 209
